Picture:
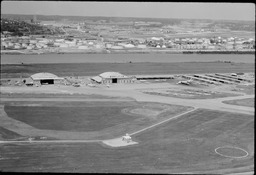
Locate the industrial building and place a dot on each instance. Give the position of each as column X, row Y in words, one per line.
column 154, row 77
column 45, row 78
column 112, row 77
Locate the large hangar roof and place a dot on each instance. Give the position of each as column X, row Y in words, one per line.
column 112, row 75
column 44, row 76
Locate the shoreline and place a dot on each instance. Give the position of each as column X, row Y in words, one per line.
column 93, row 69
column 76, row 51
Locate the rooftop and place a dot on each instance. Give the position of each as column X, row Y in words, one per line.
column 44, row 75
column 112, row 75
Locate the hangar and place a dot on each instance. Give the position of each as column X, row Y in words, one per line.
column 45, row 78
column 112, row 77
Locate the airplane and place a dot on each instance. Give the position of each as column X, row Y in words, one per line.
column 188, row 82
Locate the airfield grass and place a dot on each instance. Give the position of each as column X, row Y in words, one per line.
column 197, row 134
column 7, row 134
column 107, row 119
column 185, row 144
column 47, row 95
column 243, row 102
column 250, row 89
column 68, row 118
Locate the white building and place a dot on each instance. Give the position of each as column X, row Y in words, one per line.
column 112, row 77
column 45, row 78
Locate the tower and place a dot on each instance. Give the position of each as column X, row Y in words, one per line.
column 34, row 19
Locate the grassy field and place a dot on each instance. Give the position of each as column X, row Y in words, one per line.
column 93, row 69
column 69, row 118
column 243, row 102
column 186, row 144
column 7, row 134
column 102, row 120
column 250, row 89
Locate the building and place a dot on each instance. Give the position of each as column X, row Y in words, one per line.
column 45, row 78
column 28, row 81
column 112, row 77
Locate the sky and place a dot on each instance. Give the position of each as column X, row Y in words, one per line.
column 222, row 11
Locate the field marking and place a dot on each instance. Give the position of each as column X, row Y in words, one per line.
column 176, row 116
column 117, row 142
column 232, row 148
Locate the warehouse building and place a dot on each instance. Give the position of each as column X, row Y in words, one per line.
column 45, row 78
column 112, row 77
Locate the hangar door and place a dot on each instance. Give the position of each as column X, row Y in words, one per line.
column 47, row 81
column 114, row 80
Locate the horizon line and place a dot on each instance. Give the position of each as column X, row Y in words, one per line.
column 134, row 17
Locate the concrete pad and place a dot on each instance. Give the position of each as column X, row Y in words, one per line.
column 118, row 142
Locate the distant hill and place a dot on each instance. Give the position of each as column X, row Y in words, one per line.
column 89, row 18
column 228, row 24
column 20, row 28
